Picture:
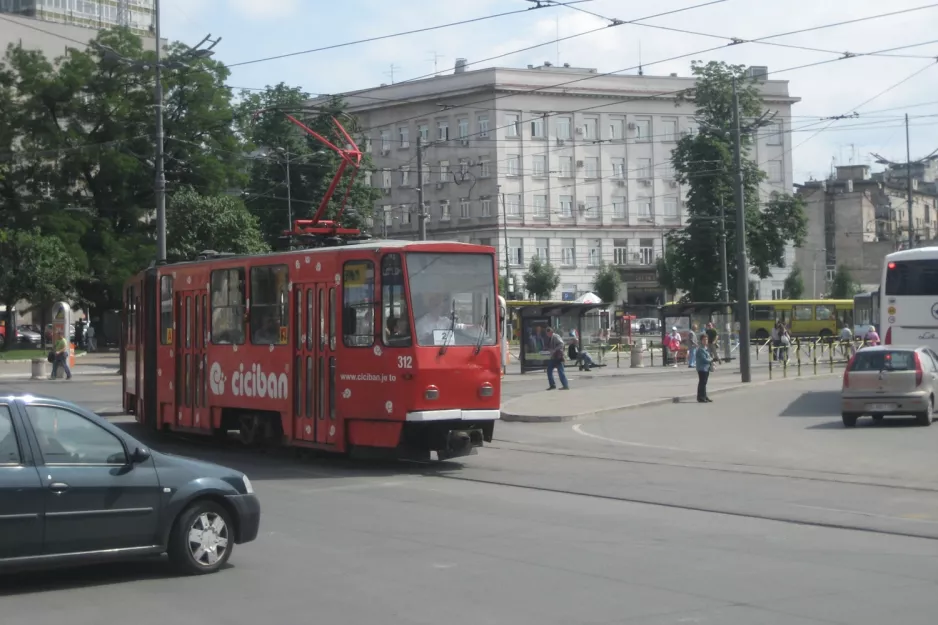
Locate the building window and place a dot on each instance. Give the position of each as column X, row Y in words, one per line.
column 394, row 303
column 516, row 252
column 228, row 307
column 464, row 211
column 646, row 251
column 425, row 175
column 462, row 127
column 540, row 165
column 592, row 207
column 566, row 206
column 358, row 303
column 670, row 208
column 644, row 169
column 643, row 130
column 444, row 210
column 773, row 134
column 385, row 178
column 483, row 125
column 464, row 167
column 404, row 133
column 568, row 252
column 595, row 252
column 775, row 171
column 542, row 249
column 513, row 203
column 405, row 175
column 778, row 294
column 540, row 206
column 442, row 130
column 423, row 131
column 486, row 207
column 166, row 311
column 620, row 251
column 385, row 141
column 485, row 169
column 563, row 128
column 592, row 167
column 669, row 130
column 406, row 215
column 388, row 216
column 644, row 207
column 589, row 128
column 667, row 170
column 270, row 296
column 514, row 165
column 618, row 208
column 444, row 171
column 566, row 167
column 537, row 128
column 512, row 125
column 618, row 168
column 615, row 129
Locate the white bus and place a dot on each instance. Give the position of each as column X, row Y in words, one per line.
column 865, row 313
column 909, row 298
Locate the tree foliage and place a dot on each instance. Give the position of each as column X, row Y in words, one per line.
column 541, row 278
column 277, row 144
column 793, row 288
column 210, row 222
column 607, row 283
column 843, row 285
column 704, row 165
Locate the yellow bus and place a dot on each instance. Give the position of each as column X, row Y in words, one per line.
column 804, row 317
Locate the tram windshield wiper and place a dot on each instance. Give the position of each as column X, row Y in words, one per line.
column 450, row 334
column 484, row 328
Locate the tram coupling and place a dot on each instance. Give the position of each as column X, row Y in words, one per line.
column 461, row 443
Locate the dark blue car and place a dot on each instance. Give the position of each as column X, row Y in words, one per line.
column 74, row 489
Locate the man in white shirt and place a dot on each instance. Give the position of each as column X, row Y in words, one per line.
column 438, row 315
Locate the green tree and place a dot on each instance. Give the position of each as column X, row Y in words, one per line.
column 85, row 143
column 210, row 222
column 843, row 286
column 34, row 267
column 607, row 283
column 703, row 163
column 278, row 144
column 793, row 288
column 541, row 278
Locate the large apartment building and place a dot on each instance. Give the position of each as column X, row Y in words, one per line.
column 563, row 163
column 135, row 14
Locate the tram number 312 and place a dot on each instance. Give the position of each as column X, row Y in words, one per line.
column 405, row 362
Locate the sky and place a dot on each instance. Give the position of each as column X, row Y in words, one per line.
column 880, row 89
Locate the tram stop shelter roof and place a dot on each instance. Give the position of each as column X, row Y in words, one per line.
column 561, row 316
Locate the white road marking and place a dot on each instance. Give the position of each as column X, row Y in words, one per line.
column 867, row 514
column 578, row 429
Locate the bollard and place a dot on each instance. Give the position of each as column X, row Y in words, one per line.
column 785, row 368
column 798, row 353
column 39, row 369
column 814, row 358
column 770, row 368
column 618, row 351
column 651, row 352
column 831, row 355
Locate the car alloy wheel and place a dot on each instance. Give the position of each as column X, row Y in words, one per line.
column 208, row 538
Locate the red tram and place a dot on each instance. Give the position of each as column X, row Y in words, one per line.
column 347, row 345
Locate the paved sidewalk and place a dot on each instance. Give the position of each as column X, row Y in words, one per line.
column 85, row 364
column 679, row 386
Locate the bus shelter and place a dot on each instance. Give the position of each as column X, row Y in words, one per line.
column 683, row 316
column 563, row 317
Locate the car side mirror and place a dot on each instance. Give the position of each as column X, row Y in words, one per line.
column 140, row 455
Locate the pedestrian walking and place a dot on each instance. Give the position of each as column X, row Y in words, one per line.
column 692, row 347
column 60, row 357
column 556, row 360
column 704, row 366
column 674, row 345
column 92, row 343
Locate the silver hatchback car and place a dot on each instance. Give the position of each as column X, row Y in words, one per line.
column 890, row 380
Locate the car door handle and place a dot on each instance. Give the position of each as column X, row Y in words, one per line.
column 58, row 487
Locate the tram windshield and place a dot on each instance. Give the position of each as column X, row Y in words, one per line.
column 453, row 298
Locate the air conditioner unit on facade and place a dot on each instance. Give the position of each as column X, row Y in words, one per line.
column 579, row 163
column 464, row 141
column 673, row 184
column 385, row 151
column 387, row 190
column 560, row 142
column 631, row 125
column 620, row 183
column 579, row 130
column 440, row 185
column 646, row 182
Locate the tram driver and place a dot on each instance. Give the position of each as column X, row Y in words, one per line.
column 437, row 315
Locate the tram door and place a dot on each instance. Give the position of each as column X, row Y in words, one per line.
column 188, row 357
column 313, row 362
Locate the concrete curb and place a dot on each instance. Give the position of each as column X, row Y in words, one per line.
column 594, row 414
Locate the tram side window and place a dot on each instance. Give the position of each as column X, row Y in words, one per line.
column 358, row 303
column 228, row 307
column 269, row 305
column 166, row 310
column 394, row 312
column 802, row 313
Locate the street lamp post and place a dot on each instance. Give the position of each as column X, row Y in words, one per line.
column 176, row 62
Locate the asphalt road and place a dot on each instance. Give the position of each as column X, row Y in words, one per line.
column 757, row 509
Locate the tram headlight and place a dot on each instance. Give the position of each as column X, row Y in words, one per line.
column 248, row 487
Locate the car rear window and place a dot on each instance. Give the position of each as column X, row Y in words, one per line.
column 880, row 360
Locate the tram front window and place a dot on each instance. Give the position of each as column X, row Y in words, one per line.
column 453, row 298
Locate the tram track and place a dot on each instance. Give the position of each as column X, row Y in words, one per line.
column 344, row 467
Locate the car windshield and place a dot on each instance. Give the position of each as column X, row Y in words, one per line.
column 441, row 284
column 884, row 360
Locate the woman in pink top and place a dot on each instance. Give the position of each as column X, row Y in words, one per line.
column 872, row 338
